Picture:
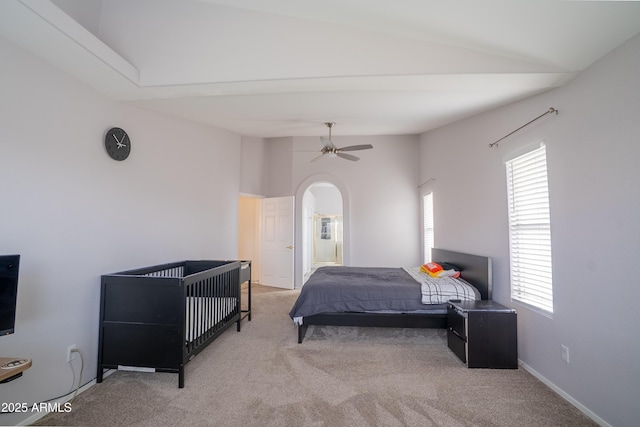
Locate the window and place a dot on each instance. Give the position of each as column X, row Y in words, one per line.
column 530, row 230
column 427, row 212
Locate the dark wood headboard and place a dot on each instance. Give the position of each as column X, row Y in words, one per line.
column 474, row 269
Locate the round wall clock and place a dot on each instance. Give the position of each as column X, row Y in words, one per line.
column 117, row 144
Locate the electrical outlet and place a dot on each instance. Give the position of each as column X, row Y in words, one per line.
column 70, row 352
column 565, row 353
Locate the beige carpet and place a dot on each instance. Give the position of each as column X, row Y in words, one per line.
column 337, row 377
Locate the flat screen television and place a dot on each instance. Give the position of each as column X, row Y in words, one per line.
column 9, row 265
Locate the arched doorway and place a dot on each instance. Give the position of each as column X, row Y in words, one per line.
column 322, row 237
column 322, row 226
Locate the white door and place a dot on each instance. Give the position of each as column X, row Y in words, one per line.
column 277, row 236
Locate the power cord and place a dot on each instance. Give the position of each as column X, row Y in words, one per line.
column 75, row 350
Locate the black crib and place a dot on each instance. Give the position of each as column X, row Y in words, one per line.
column 160, row 317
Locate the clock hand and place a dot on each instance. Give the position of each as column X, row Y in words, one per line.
column 119, row 144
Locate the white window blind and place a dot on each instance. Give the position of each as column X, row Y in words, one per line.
column 530, row 230
column 428, row 238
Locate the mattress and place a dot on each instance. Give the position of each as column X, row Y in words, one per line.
column 364, row 289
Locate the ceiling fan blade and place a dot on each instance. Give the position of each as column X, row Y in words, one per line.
column 348, row 157
column 318, row 158
column 327, row 142
column 356, row 147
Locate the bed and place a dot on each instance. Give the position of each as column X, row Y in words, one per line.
column 385, row 297
column 158, row 318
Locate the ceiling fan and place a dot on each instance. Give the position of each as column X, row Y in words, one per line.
column 330, row 150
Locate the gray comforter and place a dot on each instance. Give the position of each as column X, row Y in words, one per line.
column 359, row 289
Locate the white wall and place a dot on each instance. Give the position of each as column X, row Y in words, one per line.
column 328, row 199
column 593, row 151
column 249, row 234
column 253, row 166
column 74, row 214
column 279, row 158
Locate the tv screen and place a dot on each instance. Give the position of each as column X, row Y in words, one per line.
column 9, row 265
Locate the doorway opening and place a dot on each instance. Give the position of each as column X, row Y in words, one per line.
column 322, row 228
column 327, row 240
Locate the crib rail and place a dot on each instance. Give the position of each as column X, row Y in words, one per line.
column 177, row 271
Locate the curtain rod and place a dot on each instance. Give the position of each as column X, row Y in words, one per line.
column 426, row 182
column 550, row 110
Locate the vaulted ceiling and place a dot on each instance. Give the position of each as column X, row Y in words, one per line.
column 269, row 68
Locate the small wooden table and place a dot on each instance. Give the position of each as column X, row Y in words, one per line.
column 483, row 334
column 9, row 372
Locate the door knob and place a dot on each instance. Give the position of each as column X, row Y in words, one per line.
column 289, row 247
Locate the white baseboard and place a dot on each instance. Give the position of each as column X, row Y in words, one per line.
column 565, row 396
column 62, row 400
